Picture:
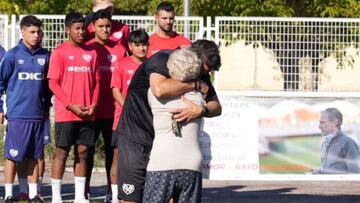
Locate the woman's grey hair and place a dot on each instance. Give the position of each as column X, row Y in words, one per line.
column 184, row 64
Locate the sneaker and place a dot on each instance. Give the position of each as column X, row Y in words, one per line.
column 10, row 199
column 87, row 192
column 22, row 196
column 37, row 199
column 40, row 196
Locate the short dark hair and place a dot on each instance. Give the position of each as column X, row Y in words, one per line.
column 30, row 20
column 165, row 6
column 208, row 53
column 334, row 113
column 72, row 18
column 100, row 14
column 139, row 36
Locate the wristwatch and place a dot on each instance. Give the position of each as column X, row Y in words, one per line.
column 205, row 112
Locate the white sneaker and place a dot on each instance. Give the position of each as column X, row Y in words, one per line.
column 56, row 201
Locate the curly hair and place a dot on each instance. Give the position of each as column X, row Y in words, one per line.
column 183, row 64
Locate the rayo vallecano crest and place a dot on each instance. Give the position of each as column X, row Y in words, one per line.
column 128, row 188
column 112, row 58
column 87, row 57
column 41, row 61
column 118, row 35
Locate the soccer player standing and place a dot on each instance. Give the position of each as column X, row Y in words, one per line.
column 122, row 75
column 74, row 79
column 165, row 37
column 109, row 52
column 119, row 31
column 25, row 67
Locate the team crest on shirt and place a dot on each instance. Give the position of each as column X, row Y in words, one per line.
column 41, row 61
column 128, row 188
column 118, row 35
column 112, row 58
column 13, row 152
column 21, row 61
column 87, row 57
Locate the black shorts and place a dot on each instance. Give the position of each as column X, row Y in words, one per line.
column 74, row 132
column 114, row 139
column 183, row 185
column 104, row 126
column 132, row 162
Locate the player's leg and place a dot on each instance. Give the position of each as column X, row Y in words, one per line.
column 106, row 132
column 90, row 158
column 23, row 183
column 132, row 162
column 63, row 143
column 84, row 141
column 114, row 169
column 41, row 161
column 15, row 149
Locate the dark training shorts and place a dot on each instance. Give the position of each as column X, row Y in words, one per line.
column 24, row 139
column 183, row 185
column 132, row 162
column 74, row 132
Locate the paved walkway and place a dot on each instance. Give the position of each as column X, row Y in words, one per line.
column 234, row 191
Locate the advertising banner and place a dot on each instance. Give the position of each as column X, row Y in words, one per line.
column 275, row 138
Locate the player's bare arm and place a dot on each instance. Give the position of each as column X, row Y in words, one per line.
column 163, row 87
column 192, row 111
column 118, row 96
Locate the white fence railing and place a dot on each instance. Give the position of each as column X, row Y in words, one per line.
column 307, row 53
column 258, row 53
column 54, row 28
column 4, row 31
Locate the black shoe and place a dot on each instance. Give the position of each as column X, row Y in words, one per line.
column 36, row 199
column 108, row 198
column 10, row 199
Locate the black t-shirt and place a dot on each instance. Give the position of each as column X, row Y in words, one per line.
column 136, row 122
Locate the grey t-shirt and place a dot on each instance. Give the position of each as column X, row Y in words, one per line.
column 171, row 152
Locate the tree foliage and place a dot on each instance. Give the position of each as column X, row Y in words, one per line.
column 296, row 8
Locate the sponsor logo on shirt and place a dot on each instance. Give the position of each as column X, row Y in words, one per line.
column 13, row 152
column 128, row 188
column 30, row 76
column 118, row 35
column 71, row 57
column 87, row 57
column 41, row 61
column 21, row 61
column 112, row 58
column 79, row 69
